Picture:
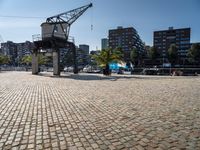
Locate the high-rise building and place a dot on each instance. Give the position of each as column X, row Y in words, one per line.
column 126, row 39
column 104, row 43
column 15, row 51
column 85, row 48
column 24, row 49
column 180, row 37
column 83, row 54
column 1, row 41
column 10, row 49
column 1, row 51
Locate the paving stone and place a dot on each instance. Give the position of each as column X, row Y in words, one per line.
column 139, row 147
column 75, row 112
column 73, row 148
column 94, row 145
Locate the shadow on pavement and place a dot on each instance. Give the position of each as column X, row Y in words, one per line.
column 88, row 76
column 113, row 77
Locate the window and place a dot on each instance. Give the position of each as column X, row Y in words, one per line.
column 184, row 42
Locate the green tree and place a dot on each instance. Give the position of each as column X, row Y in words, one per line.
column 153, row 53
column 26, row 60
column 42, row 59
column 107, row 56
column 194, row 53
column 172, row 53
column 92, row 61
column 4, row 59
column 134, row 55
column 1, row 59
column 68, row 59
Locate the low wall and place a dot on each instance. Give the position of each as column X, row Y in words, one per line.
column 167, row 71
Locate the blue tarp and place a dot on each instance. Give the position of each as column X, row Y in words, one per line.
column 116, row 66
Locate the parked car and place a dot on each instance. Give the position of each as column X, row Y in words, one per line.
column 90, row 69
column 127, row 71
column 87, row 69
column 150, row 71
column 68, row 69
column 50, row 69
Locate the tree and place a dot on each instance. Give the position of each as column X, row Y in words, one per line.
column 194, row 53
column 68, row 59
column 172, row 53
column 4, row 59
column 42, row 59
column 26, row 60
column 134, row 55
column 1, row 59
column 92, row 61
column 107, row 56
column 153, row 53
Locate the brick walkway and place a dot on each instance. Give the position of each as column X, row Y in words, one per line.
column 92, row 112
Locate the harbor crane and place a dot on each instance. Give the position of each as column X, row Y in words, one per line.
column 55, row 35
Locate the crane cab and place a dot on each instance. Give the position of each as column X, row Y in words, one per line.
column 53, row 30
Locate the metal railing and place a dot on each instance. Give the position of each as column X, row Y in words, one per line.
column 36, row 37
column 39, row 37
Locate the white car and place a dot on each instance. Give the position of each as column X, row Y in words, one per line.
column 69, row 69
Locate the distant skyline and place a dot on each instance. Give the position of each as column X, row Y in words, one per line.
column 144, row 15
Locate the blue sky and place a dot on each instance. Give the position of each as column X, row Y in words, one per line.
column 145, row 16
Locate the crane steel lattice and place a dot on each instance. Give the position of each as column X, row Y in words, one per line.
column 67, row 19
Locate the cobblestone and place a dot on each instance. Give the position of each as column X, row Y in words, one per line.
column 78, row 112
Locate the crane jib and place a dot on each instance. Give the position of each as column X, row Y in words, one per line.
column 59, row 25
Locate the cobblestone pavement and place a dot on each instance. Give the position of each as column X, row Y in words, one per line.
column 88, row 112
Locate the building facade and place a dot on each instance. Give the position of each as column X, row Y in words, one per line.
column 10, row 49
column 180, row 37
column 85, row 48
column 15, row 51
column 104, row 43
column 1, row 51
column 126, row 39
column 24, row 49
column 83, row 55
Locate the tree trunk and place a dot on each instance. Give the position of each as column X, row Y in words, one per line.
column 106, row 71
